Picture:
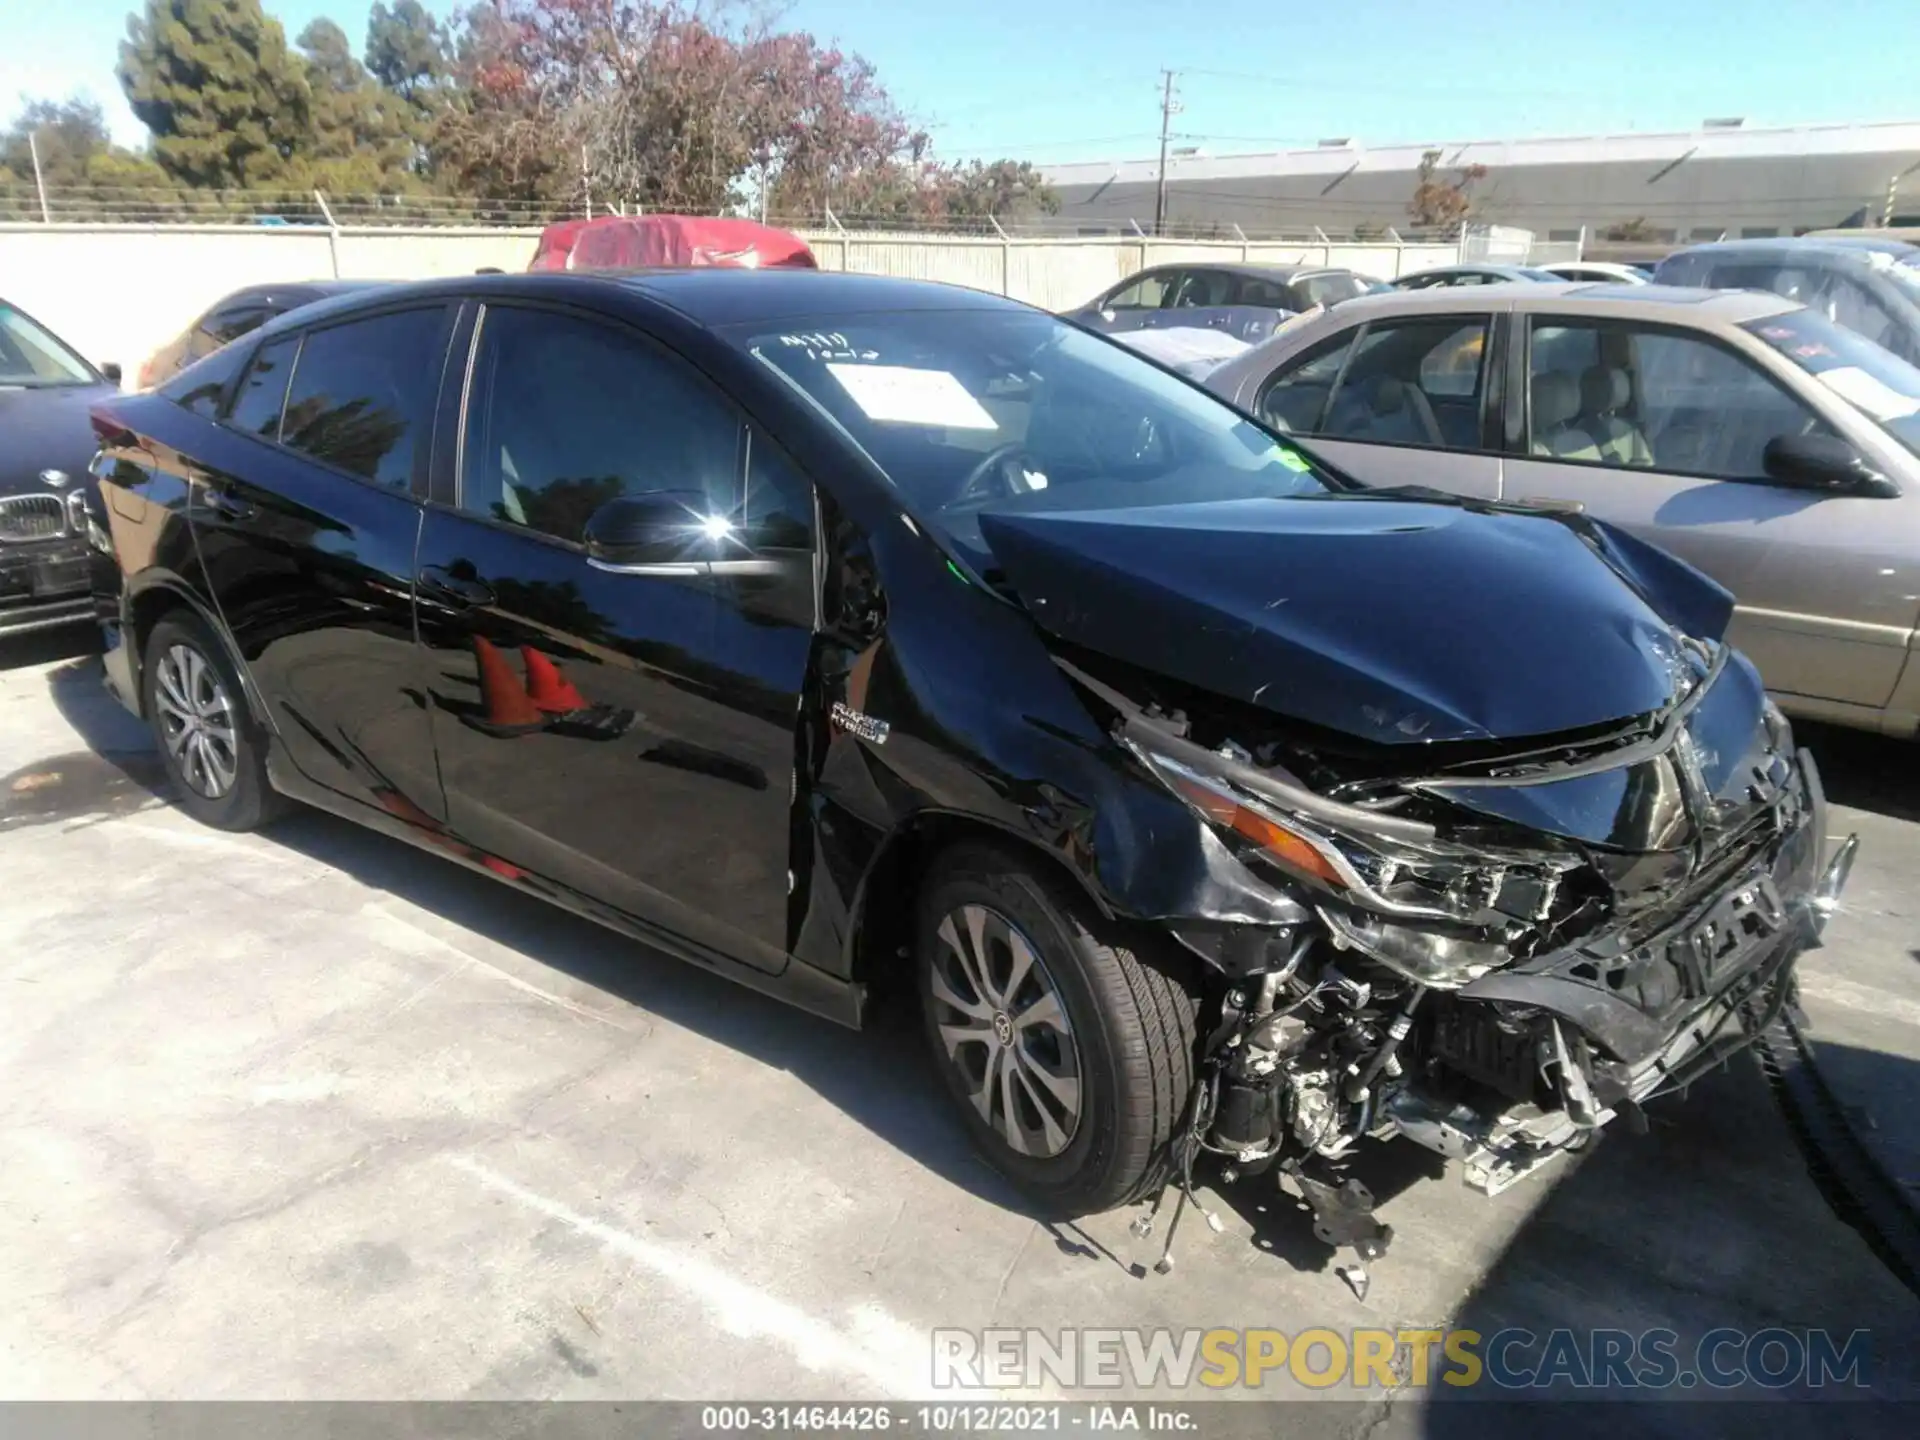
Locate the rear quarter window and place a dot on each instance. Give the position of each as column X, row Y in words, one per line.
column 201, row 386
column 263, row 390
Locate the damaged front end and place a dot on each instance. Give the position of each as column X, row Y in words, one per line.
column 1501, row 947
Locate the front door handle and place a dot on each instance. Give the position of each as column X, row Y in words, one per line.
column 1548, row 502
column 454, row 590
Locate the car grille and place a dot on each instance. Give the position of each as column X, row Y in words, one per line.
column 32, row 517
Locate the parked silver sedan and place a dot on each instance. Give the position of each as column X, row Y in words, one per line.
column 1744, row 432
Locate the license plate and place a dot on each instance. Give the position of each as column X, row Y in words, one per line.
column 1742, row 924
column 57, row 577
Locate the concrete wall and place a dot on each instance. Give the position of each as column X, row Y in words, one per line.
column 119, row 292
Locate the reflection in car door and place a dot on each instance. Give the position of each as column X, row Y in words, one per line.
column 628, row 737
column 304, row 509
column 1668, row 442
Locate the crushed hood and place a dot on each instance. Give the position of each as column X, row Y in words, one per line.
column 1392, row 620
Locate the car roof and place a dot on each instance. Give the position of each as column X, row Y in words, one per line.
column 300, row 292
column 1646, row 302
column 1259, row 269
column 711, row 297
column 1469, row 267
column 1832, row 248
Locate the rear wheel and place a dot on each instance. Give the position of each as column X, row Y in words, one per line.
column 1067, row 1043
column 214, row 752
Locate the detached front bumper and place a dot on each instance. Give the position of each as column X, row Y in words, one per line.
column 1632, row 994
column 1615, row 1024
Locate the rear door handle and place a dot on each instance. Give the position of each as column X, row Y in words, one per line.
column 226, row 504
column 453, row 590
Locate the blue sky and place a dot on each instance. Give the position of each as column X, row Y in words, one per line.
column 1079, row 79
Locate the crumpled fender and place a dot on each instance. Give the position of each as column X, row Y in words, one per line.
column 1688, row 599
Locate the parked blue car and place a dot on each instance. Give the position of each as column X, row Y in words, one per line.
column 1244, row 299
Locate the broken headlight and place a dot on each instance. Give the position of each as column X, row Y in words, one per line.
column 1436, row 911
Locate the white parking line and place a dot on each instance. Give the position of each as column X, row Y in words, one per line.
column 1865, row 998
column 885, row 1354
column 491, row 971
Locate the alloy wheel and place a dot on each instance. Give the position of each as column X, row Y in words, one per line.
column 1005, row 1031
column 197, row 721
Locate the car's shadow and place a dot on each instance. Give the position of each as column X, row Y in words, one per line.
column 879, row 1076
column 42, row 647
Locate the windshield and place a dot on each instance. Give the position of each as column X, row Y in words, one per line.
column 1015, row 411
column 1905, row 271
column 30, row 355
column 1877, row 383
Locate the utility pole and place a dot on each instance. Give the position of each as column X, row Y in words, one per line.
column 40, row 181
column 1169, row 107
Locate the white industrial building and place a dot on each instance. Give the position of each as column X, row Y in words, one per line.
column 1726, row 178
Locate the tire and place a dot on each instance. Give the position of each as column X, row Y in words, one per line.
column 1129, row 1040
column 190, row 689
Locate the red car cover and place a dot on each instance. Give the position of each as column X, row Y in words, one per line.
column 623, row 242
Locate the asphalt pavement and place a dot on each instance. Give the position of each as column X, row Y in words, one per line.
column 310, row 1114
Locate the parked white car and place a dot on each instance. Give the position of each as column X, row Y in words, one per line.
column 1603, row 271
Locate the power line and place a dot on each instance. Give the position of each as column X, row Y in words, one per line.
column 1294, row 82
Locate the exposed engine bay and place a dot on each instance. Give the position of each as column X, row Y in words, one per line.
column 1492, row 949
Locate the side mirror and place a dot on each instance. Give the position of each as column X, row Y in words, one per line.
column 667, row 532
column 111, row 370
column 1823, row 462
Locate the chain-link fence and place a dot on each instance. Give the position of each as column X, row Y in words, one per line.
column 23, row 202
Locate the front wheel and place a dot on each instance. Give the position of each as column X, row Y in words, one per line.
column 1068, row 1044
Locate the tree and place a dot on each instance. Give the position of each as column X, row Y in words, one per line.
column 68, row 134
column 226, row 101
column 1629, row 232
column 407, row 51
column 85, row 173
column 1442, row 203
column 669, row 106
column 359, row 134
column 407, row 54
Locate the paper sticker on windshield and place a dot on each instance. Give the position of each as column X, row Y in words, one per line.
column 900, row 395
column 1872, row 395
column 1295, row 463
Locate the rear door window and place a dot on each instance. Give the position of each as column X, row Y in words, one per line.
column 1270, row 293
column 1204, row 289
column 1414, row 382
column 1147, row 292
column 363, row 394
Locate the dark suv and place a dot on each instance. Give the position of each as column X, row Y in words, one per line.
column 835, row 631
column 1871, row 286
